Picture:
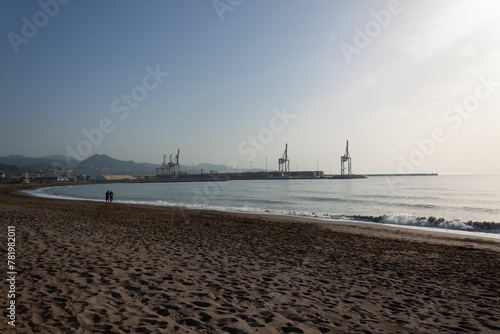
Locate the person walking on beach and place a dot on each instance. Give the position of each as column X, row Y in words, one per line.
column 110, row 196
column 107, row 196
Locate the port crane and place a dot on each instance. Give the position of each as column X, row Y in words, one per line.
column 283, row 162
column 346, row 158
column 172, row 167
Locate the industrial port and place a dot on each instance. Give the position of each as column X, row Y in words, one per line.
column 102, row 168
column 170, row 171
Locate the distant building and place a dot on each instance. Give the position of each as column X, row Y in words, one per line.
column 2, row 175
column 82, row 177
column 45, row 178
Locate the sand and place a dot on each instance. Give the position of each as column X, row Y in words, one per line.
column 89, row 267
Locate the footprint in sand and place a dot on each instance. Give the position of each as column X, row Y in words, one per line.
column 191, row 322
column 205, row 317
column 291, row 329
column 202, row 304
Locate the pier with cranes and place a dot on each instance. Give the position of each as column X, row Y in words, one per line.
column 171, row 171
column 170, row 168
column 346, row 167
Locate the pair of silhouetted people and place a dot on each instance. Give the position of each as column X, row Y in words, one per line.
column 109, row 196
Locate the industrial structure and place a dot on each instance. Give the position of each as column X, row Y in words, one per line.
column 283, row 162
column 173, row 166
column 345, row 160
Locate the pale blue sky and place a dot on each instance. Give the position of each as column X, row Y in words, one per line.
column 419, row 72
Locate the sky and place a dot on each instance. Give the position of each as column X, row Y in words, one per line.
column 413, row 85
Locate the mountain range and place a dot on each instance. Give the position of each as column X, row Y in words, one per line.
column 94, row 165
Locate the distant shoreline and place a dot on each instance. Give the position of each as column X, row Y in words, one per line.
column 403, row 174
column 221, row 177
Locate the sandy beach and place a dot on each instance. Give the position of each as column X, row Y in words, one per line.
column 90, row 267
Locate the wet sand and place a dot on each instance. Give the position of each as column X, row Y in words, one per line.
column 88, row 267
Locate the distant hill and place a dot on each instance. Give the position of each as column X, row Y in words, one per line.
column 28, row 164
column 10, row 169
column 36, row 164
column 56, row 157
column 102, row 164
column 19, row 160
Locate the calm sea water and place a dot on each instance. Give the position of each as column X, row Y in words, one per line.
column 470, row 203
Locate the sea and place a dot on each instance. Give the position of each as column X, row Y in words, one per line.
column 458, row 204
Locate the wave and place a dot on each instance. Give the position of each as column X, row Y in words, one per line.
column 42, row 193
column 431, row 221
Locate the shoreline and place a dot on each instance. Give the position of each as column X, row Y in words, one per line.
column 436, row 231
column 85, row 267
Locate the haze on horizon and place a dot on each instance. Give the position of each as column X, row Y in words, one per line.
column 413, row 85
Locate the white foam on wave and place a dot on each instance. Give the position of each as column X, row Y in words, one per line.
column 43, row 192
column 470, row 233
column 409, row 220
